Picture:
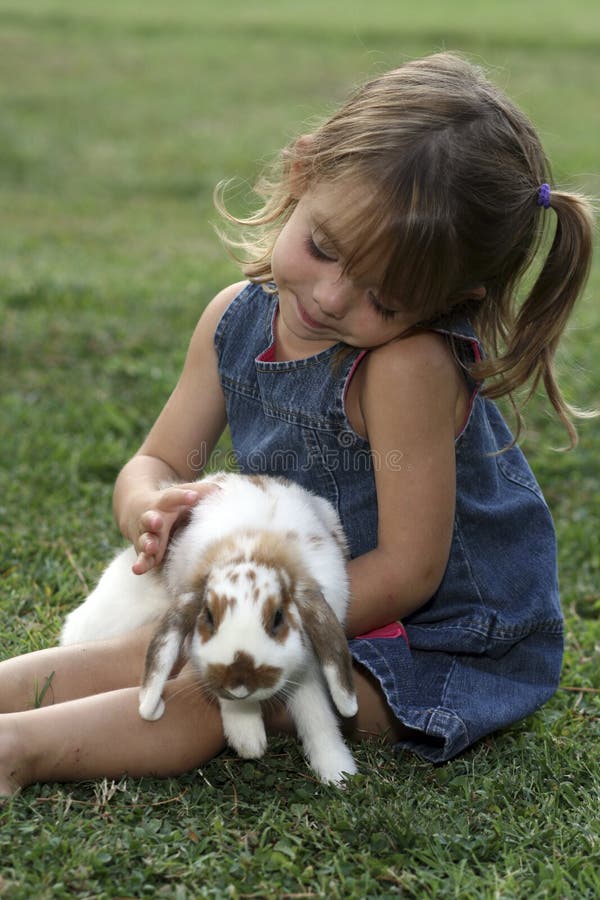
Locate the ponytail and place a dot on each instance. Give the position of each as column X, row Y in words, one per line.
column 531, row 342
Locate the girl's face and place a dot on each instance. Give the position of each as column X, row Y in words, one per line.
column 320, row 304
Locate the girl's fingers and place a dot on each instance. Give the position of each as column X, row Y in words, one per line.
column 171, row 502
column 151, row 522
column 142, row 564
column 185, row 495
column 173, row 498
column 149, row 544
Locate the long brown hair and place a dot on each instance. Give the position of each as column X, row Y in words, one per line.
column 453, row 169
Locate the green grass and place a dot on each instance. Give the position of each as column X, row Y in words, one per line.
column 117, row 120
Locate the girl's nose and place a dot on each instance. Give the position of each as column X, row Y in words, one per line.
column 333, row 296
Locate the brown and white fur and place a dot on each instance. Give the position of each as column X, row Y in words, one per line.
column 254, row 592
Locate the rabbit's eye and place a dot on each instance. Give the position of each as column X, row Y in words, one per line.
column 208, row 618
column 278, row 621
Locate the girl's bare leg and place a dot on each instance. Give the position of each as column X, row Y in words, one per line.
column 72, row 672
column 89, row 725
column 92, row 729
column 103, row 736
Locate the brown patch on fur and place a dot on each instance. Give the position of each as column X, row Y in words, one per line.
column 222, row 552
column 213, row 613
column 241, row 672
column 180, row 619
column 183, row 616
column 273, row 551
column 265, row 548
column 261, row 481
column 204, row 629
column 315, row 540
column 326, row 634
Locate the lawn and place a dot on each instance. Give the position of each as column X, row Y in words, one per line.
column 117, row 121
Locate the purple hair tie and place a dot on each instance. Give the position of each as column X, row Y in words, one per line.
column 543, row 197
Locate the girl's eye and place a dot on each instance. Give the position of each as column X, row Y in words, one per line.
column 316, row 252
column 384, row 311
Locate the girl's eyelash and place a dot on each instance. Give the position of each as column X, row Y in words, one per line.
column 316, row 252
column 384, row 311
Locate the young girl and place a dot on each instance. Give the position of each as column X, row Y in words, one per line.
column 360, row 359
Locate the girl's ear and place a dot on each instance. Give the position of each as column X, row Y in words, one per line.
column 300, row 154
column 475, row 293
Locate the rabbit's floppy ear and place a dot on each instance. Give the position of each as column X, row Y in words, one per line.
column 329, row 642
column 165, row 648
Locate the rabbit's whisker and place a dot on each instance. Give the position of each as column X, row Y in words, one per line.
column 193, row 689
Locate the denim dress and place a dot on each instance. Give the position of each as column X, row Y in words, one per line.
column 486, row 649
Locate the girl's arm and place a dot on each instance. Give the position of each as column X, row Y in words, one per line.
column 177, row 447
column 413, row 401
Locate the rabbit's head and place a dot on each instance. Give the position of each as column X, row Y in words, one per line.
column 253, row 621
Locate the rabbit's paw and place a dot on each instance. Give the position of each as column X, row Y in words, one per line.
column 244, row 729
column 149, row 707
column 249, row 742
column 333, row 767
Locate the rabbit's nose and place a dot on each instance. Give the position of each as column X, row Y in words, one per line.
column 240, row 691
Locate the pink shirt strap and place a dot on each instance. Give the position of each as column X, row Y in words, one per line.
column 393, row 630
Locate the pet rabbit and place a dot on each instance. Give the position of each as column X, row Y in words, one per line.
column 254, row 592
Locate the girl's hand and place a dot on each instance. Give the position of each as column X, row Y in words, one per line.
column 155, row 525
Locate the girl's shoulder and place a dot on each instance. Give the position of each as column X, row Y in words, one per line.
column 420, row 373
column 422, row 354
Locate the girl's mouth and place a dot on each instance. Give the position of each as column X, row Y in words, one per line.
column 308, row 320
